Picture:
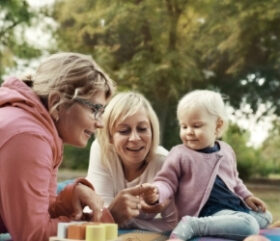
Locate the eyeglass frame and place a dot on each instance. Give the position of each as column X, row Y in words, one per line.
column 96, row 109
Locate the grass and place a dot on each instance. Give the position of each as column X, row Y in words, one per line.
column 269, row 193
column 64, row 174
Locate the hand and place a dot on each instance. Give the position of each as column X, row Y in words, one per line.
column 149, row 193
column 126, row 205
column 154, row 208
column 255, row 204
column 85, row 196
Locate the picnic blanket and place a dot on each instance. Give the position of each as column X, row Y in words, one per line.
column 272, row 234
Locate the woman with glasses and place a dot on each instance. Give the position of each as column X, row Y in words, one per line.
column 125, row 155
column 61, row 104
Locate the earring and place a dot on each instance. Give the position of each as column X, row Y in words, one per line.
column 55, row 117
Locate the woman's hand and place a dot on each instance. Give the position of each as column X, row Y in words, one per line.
column 255, row 204
column 85, row 196
column 126, row 205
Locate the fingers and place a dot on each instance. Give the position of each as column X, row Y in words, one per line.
column 253, row 206
column 96, row 205
column 78, row 212
column 135, row 204
column 260, row 205
column 125, row 206
column 135, row 191
column 154, row 208
column 147, row 208
column 85, row 196
column 256, row 204
column 97, row 213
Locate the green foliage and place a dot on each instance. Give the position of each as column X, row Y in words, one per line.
column 145, row 55
column 243, row 49
column 270, row 151
column 15, row 15
column 167, row 48
column 76, row 158
column 247, row 157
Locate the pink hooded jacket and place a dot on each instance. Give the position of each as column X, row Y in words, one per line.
column 30, row 153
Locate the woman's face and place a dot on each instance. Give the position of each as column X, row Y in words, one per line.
column 77, row 124
column 132, row 139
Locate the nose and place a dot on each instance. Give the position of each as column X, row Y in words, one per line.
column 98, row 123
column 134, row 136
column 189, row 131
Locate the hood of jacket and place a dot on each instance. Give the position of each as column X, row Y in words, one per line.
column 22, row 111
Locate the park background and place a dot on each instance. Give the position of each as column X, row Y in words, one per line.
column 163, row 49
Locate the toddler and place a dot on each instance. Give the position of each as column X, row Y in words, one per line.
column 202, row 175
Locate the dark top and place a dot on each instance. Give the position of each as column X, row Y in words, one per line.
column 221, row 197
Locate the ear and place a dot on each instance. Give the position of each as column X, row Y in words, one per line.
column 53, row 99
column 219, row 125
column 111, row 140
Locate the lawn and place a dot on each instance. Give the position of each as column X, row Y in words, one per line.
column 269, row 192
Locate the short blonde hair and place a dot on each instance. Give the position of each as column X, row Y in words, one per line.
column 212, row 101
column 71, row 75
column 120, row 107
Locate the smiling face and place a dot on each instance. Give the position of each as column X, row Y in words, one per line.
column 77, row 124
column 198, row 128
column 132, row 139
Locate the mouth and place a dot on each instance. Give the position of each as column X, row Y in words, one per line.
column 191, row 140
column 88, row 133
column 135, row 149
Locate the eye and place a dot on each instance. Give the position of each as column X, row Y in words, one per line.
column 198, row 125
column 142, row 129
column 97, row 108
column 124, row 131
column 184, row 127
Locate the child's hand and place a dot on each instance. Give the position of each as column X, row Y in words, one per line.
column 255, row 204
column 149, row 193
column 154, row 208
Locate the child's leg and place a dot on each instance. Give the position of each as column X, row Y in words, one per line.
column 263, row 219
column 224, row 224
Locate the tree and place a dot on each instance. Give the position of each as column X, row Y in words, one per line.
column 248, row 159
column 167, row 48
column 15, row 15
column 243, row 49
column 142, row 55
column 270, row 150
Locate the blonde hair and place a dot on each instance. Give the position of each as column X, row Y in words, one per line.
column 71, row 75
column 212, row 101
column 120, row 107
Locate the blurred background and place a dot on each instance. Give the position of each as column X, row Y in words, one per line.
column 163, row 49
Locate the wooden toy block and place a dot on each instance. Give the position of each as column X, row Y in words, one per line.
column 89, row 231
column 95, row 233
column 76, row 231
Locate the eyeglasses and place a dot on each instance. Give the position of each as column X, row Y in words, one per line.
column 96, row 109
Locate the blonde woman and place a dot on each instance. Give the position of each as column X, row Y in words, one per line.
column 125, row 155
column 62, row 103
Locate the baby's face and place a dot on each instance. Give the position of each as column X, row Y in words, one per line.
column 198, row 128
